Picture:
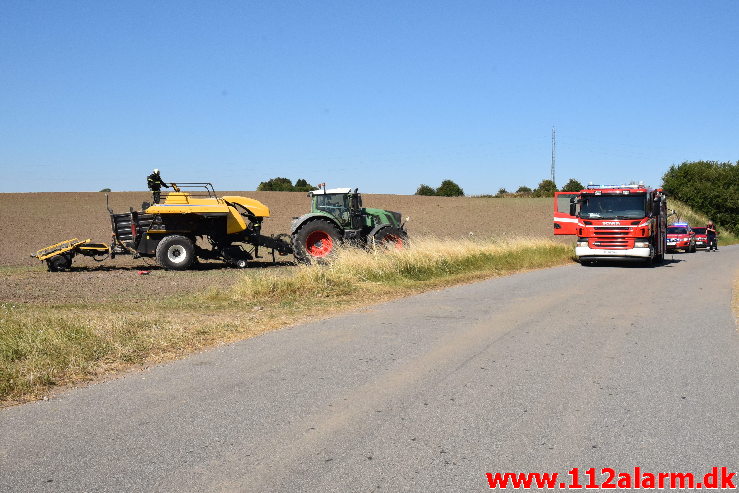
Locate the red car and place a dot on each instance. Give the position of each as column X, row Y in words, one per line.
column 680, row 237
column 701, row 239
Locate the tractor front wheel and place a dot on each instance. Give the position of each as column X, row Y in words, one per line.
column 390, row 237
column 315, row 241
column 175, row 252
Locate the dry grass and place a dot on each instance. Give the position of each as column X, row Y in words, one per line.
column 43, row 346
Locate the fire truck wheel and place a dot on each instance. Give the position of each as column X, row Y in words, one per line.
column 175, row 252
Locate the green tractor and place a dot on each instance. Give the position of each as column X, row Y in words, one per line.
column 337, row 216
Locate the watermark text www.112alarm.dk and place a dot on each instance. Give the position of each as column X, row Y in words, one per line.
column 608, row 478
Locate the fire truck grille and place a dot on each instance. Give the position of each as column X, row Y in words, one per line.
column 611, row 237
column 610, row 242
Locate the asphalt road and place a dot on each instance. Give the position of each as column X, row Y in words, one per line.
column 544, row 371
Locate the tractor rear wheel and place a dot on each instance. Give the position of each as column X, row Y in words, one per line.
column 390, row 237
column 316, row 240
column 175, row 252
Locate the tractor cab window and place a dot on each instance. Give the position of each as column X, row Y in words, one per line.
column 335, row 204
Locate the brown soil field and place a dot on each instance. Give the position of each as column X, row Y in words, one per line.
column 31, row 221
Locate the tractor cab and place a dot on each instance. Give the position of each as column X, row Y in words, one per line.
column 344, row 204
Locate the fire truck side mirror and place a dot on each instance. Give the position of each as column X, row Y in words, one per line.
column 573, row 206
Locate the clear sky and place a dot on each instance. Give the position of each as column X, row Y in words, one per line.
column 382, row 95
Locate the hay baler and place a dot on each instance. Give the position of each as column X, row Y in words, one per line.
column 229, row 229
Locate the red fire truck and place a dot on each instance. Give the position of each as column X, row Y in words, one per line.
column 614, row 222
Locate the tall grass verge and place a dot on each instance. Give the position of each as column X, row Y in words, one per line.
column 45, row 346
column 428, row 263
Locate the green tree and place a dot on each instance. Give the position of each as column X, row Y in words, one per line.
column 546, row 188
column 276, row 185
column 709, row 187
column 502, row 192
column 425, row 190
column 523, row 191
column 302, row 185
column 572, row 186
column 449, row 189
column 105, row 190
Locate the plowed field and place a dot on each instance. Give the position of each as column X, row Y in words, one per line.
column 29, row 222
column 32, row 221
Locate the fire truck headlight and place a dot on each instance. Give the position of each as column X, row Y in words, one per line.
column 582, row 243
column 641, row 244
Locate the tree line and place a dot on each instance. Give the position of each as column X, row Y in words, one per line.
column 546, row 188
column 709, row 187
column 285, row 185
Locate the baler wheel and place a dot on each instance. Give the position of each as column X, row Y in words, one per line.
column 175, row 252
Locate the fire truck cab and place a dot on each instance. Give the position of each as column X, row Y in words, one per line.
column 614, row 222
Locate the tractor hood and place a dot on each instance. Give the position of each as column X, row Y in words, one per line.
column 383, row 216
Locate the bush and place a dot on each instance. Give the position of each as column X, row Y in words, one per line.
column 449, row 189
column 303, row 186
column 523, row 191
column 105, row 190
column 572, row 186
column 709, row 187
column 545, row 189
column 285, row 185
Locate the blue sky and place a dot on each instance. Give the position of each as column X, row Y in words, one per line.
column 383, row 95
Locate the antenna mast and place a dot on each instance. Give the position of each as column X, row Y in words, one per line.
column 554, row 151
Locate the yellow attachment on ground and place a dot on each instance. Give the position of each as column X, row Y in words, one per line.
column 94, row 247
column 57, row 248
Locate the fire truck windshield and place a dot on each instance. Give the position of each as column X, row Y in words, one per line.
column 613, row 206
